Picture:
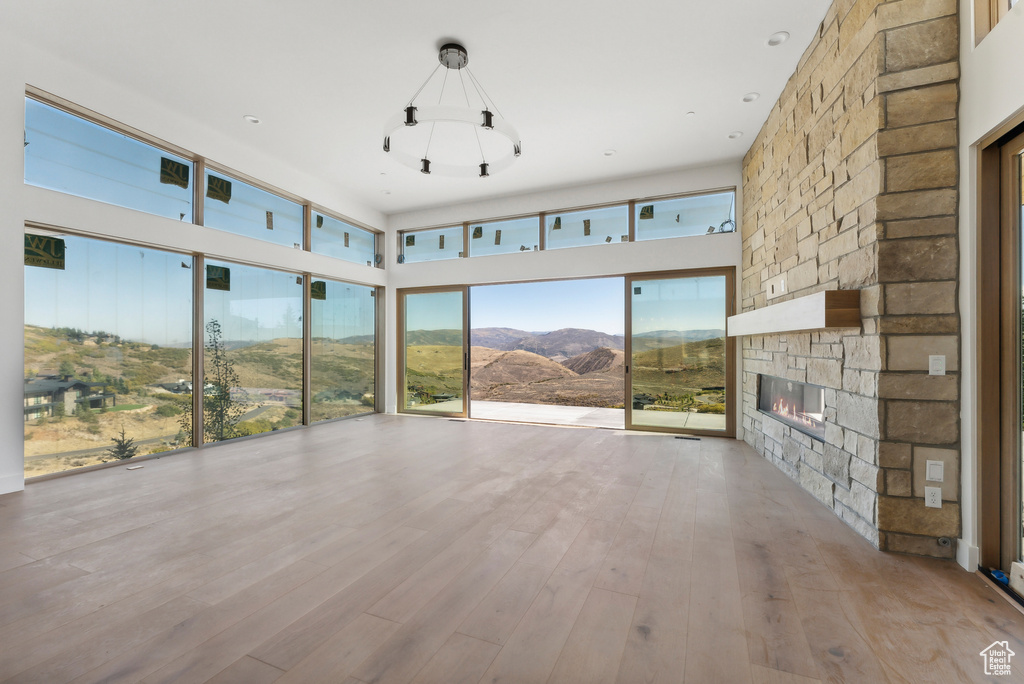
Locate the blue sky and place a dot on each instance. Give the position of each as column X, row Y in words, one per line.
column 594, row 304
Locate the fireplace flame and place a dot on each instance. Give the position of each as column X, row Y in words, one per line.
column 782, row 408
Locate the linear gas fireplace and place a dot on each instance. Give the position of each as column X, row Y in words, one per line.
column 797, row 404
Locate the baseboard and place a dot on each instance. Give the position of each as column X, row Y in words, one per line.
column 12, row 483
column 967, row 556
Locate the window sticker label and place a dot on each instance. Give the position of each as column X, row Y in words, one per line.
column 410, row 240
column 270, row 220
column 318, row 290
column 44, row 251
column 173, row 173
column 478, row 232
column 586, row 227
column 647, row 212
column 218, row 278
column 319, row 221
column 218, row 189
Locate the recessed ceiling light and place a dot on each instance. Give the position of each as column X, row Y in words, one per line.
column 386, row 192
column 735, row 134
column 750, row 97
column 778, row 38
column 251, row 119
column 690, row 113
column 609, row 153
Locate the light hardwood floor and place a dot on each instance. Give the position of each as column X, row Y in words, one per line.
column 405, row 549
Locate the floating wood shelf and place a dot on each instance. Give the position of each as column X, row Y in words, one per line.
column 828, row 309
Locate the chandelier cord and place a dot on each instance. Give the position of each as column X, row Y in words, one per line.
column 465, row 95
column 426, row 154
column 412, row 100
column 485, row 97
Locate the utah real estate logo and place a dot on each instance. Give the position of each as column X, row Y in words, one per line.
column 997, row 658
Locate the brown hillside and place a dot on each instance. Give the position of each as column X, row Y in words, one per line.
column 596, row 361
column 514, row 367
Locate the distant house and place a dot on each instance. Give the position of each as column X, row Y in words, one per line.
column 180, row 387
column 43, row 393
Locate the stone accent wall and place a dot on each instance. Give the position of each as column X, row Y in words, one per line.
column 852, row 184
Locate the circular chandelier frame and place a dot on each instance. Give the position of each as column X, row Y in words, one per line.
column 484, row 119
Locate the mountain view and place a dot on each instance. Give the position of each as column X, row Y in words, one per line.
column 572, row 367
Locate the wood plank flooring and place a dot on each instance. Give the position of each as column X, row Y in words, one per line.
column 396, row 549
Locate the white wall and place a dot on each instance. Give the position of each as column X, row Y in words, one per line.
column 991, row 94
column 600, row 260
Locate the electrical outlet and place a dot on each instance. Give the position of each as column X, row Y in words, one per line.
column 937, row 364
column 933, row 497
column 775, row 287
column 934, row 471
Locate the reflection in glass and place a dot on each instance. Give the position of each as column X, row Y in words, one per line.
column 683, row 216
column 587, row 227
column 504, row 237
column 341, row 240
column 66, row 153
column 434, row 358
column 107, row 349
column 342, row 349
column 237, row 207
column 678, row 353
column 253, row 351
column 431, row 245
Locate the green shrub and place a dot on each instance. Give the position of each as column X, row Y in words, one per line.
column 167, row 410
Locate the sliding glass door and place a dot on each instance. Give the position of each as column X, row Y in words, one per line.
column 679, row 374
column 433, row 351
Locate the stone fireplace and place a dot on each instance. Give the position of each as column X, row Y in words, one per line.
column 852, row 185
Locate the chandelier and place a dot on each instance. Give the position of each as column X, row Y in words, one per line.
column 462, row 135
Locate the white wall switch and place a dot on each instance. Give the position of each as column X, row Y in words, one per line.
column 934, row 471
column 775, row 287
column 933, row 497
column 937, row 364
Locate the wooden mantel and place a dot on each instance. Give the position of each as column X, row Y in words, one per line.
column 828, row 309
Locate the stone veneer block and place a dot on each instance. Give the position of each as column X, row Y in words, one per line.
column 922, row 44
column 919, row 546
column 911, row 516
column 922, row 422
column 932, row 136
column 921, row 105
column 895, row 455
column 918, row 386
column 895, row 230
column 898, row 483
column 921, row 171
column 951, row 476
column 820, row 487
column 921, row 298
column 911, row 352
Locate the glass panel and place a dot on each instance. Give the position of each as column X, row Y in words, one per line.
column 108, row 352
column 678, row 353
column 342, row 350
column 587, row 227
column 504, row 237
column 243, row 209
column 683, row 216
column 253, row 351
column 433, row 352
column 431, row 245
column 66, row 153
column 341, row 240
column 549, row 352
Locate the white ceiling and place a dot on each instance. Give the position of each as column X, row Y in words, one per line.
column 575, row 77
